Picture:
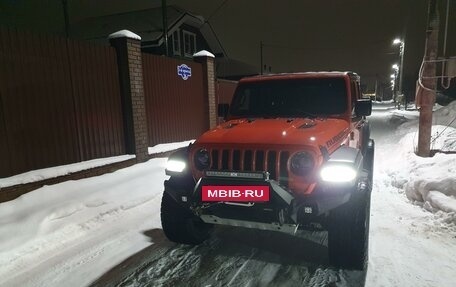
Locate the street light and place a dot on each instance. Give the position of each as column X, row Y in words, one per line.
column 401, row 69
column 394, row 80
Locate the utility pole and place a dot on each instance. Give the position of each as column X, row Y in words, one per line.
column 376, row 87
column 401, row 72
column 261, row 57
column 427, row 82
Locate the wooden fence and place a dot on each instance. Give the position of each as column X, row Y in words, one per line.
column 59, row 102
column 225, row 91
column 175, row 107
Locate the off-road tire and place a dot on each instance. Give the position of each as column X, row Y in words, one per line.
column 180, row 225
column 348, row 234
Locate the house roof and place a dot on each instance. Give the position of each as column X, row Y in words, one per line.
column 233, row 69
column 147, row 23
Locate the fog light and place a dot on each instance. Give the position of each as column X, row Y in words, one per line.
column 308, row 210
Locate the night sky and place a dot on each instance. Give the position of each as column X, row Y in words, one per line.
column 320, row 35
column 301, row 35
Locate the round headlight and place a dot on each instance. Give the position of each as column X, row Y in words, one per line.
column 301, row 163
column 202, row 160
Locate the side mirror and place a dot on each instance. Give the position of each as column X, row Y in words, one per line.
column 363, row 107
column 223, row 110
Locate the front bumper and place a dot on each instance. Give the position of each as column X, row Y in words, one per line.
column 284, row 212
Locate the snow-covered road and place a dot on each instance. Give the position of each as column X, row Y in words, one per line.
column 106, row 231
column 408, row 245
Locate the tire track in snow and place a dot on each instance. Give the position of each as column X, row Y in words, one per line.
column 98, row 242
column 240, row 269
column 237, row 257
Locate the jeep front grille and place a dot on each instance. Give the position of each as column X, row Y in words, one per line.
column 273, row 161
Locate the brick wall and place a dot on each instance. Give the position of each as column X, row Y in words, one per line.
column 137, row 98
column 132, row 93
column 211, row 92
column 207, row 59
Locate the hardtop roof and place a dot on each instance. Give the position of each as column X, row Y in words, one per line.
column 301, row 75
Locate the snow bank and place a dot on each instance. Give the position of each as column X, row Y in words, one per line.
column 446, row 115
column 69, row 234
column 428, row 182
column 432, row 182
column 52, row 172
column 160, row 148
column 443, row 138
column 46, row 173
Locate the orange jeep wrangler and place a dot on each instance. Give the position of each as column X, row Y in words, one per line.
column 294, row 153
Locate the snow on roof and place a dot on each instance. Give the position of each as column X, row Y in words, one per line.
column 124, row 34
column 203, row 53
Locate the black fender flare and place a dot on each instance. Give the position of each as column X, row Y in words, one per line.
column 180, row 183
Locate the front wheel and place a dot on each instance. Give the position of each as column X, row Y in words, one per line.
column 348, row 233
column 180, row 225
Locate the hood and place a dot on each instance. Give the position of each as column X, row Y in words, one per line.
column 281, row 131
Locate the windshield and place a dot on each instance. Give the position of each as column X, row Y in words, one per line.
column 290, row 98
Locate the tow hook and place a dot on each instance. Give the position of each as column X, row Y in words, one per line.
column 198, row 209
column 282, row 217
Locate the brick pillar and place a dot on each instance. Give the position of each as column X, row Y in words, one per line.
column 207, row 59
column 129, row 61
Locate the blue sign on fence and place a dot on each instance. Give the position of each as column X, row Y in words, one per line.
column 184, row 71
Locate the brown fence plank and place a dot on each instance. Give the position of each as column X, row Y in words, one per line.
column 5, row 66
column 67, row 135
column 77, row 88
column 104, row 103
column 225, row 91
column 98, row 99
column 16, row 107
column 175, row 108
column 115, row 109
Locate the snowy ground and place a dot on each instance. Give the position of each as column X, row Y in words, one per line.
column 410, row 246
column 46, row 173
column 106, row 227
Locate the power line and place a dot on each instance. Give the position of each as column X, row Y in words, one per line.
column 281, row 46
column 216, row 10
